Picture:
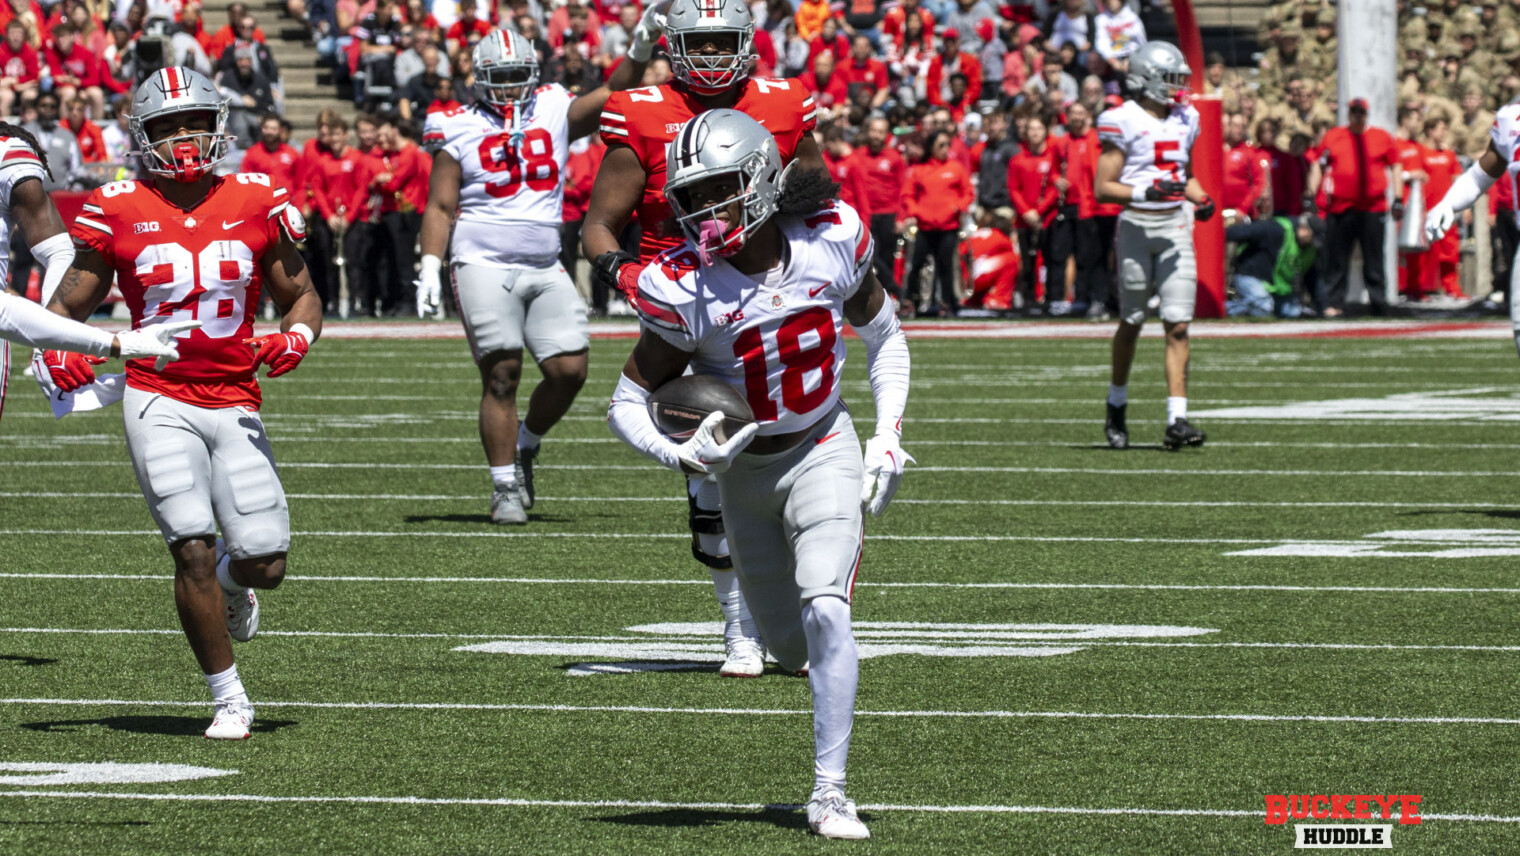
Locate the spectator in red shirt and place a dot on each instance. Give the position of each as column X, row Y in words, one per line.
column 830, row 92
column 991, row 262
column 941, row 119
column 938, row 191
column 190, row 23
column 882, row 174
column 1358, row 160
column 1287, row 170
column 893, row 24
column 19, row 66
column 1245, row 183
column 230, row 33
column 1093, row 224
column 463, row 33
column 560, row 24
column 836, row 156
column 74, row 69
column 402, row 185
column 949, row 60
column 338, row 180
column 1032, row 176
column 864, row 69
column 830, row 39
column 92, row 143
column 1435, row 270
column 274, row 157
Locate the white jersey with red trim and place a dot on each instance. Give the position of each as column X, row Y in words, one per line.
column 521, row 191
column 1154, row 149
column 17, row 163
column 776, row 339
column 1505, row 136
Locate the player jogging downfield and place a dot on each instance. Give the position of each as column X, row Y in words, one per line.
column 500, row 163
column 1146, row 165
column 1498, row 161
column 771, row 269
column 25, row 204
column 711, row 51
column 188, row 245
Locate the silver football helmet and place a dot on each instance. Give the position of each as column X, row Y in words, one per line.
column 718, row 144
column 169, row 92
column 690, row 23
column 1159, row 71
column 506, row 69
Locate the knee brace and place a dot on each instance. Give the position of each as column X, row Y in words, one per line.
column 709, row 522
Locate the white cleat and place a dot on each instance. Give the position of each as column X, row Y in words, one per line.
column 832, row 816
column 745, row 658
column 507, row 507
column 242, row 607
column 231, row 722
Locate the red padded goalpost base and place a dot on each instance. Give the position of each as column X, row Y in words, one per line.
column 1208, row 168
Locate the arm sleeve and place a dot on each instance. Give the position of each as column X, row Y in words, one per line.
column 888, row 365
column 1467, row 188
column 27, row 324
column 628, row 417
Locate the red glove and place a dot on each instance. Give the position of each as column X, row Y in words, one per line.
column 69, row 370
column 280, row 351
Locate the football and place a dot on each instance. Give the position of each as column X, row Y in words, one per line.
column 679, row 407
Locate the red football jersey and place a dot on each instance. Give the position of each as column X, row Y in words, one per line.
column 647, row 119
column 201, row 264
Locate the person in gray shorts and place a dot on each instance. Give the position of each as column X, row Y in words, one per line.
column 1146, row 166
column 772, row 269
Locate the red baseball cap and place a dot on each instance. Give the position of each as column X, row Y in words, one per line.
column 1358, row 104
column 950, row 33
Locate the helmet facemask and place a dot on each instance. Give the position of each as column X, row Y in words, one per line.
column 193, row 155
column 702, row 226
column 710, row 73
column 507, row 85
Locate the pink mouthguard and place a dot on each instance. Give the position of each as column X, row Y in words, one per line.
column 709, row 239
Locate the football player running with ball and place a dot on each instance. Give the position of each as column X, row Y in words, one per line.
column 711, row 51
column 1146, row 165
column 188, row 245
column 757, row 295
column 501, row 167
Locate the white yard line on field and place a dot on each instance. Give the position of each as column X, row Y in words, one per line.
column 727, row 711
column 324, row 578
column 1086, row 643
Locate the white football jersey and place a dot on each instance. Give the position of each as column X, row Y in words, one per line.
column 511, row 203
column 1154, row 149
column 17, row 163
column 778, row 342
column 1505, row 135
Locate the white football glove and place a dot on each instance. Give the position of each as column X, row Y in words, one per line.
column 884, row 461
column 705, row 455
column 155, row 341
column 429, row 287
column 647, row 34
column 1438, row 221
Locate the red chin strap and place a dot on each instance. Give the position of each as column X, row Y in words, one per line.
column 187, row 162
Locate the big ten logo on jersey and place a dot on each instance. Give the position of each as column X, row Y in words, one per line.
column 210, row 286
column 142, row 228
column 532, row 162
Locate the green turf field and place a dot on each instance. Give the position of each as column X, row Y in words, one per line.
column 1067, row 650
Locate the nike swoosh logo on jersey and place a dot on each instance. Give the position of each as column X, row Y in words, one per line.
column 226, row 225
column 813, row 292
column 825, row 438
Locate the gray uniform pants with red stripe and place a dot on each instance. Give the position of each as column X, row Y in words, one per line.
column 795, row 529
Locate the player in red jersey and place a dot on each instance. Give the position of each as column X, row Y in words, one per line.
column 190, row 245
column 711, row 52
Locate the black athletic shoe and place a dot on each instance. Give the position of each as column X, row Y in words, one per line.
column 1114, row 428
column 525, row 459
column 1179, row 434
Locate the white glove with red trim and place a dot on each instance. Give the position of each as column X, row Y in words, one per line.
column 281, row 351
column 703, row 454
column 884, row 461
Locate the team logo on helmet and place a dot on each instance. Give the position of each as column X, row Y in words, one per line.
column 170, row 92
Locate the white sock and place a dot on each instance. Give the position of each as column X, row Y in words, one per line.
column 1118, row 396
column 504, row 477
column 224, row 574
column 226, row 688
column 527, row 439
column 1176, row 408
column 736, row 618
column 833, row 675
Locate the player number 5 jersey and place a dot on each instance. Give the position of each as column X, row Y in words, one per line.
column 1154, row 149
column 778, row 342
column 521, row 189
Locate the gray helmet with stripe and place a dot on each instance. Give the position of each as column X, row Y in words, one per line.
column 173, row 91
column 506, row 69
column 1159, row 71
column 718, row 144
column 690, row 23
